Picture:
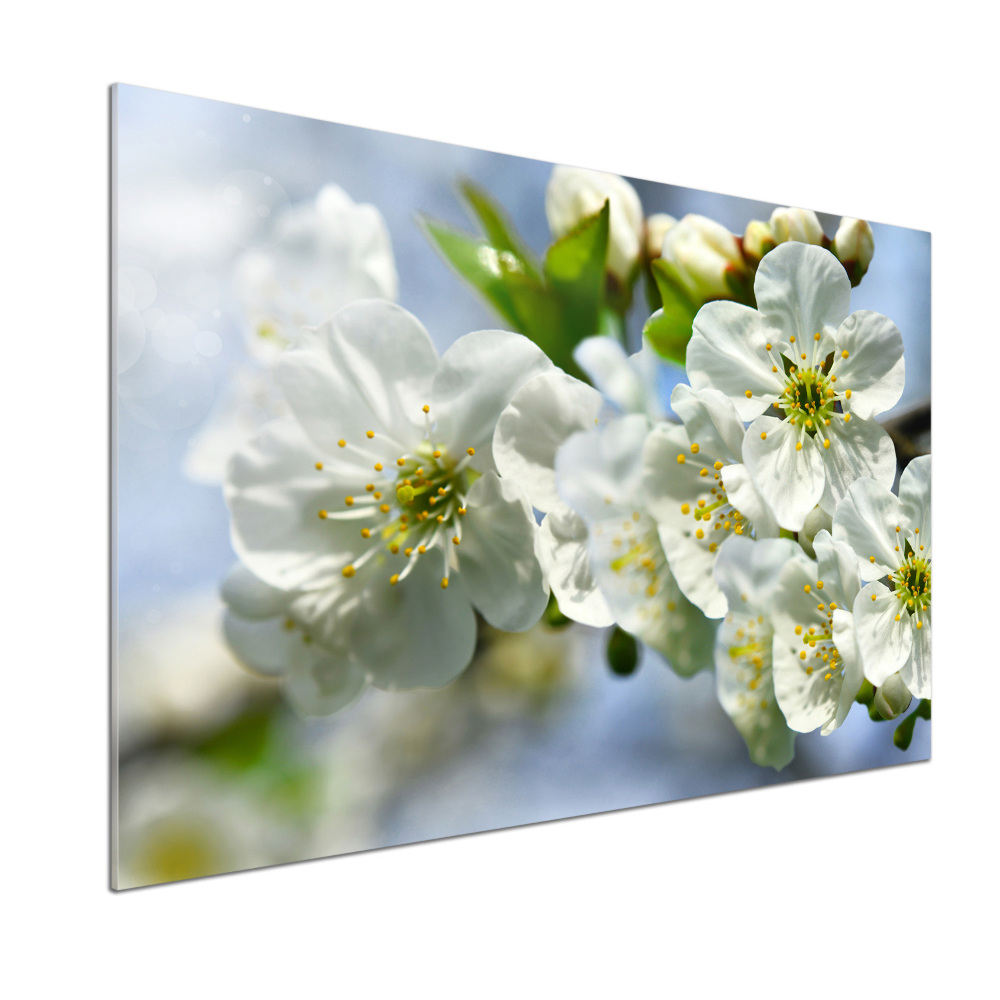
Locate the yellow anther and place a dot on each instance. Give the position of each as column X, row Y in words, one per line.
column 847, row 394
column 749, row 394
column 426, row 408
column 462, row 510
column 802, row 655
column 826, row 677
column 400, row 461
column 444, row 583
column 384, row 508
column 763, row 435
column 377, row 495
column 703, row 472
column 826, row 442
column 845, row 354
column 394, row 579
column 816, row 336
column 369, row 487
column 897, row 617
column 807, row 588
column 803, row 357
column 871, row 559
column 694, row 447
column 699, row 533
column 421, row 549
column 920, row 624
column 394, row 548
column 897, row 529
column 701, row 503
column 319, row 466
column 774, row 368
column 348, row 571
column 456, row 540
column 833, row 605
column 349, row 501
column 440, row 519
column 342, row 443
column 651, row 590
column 798, row 630
column 436, row 453
column 798, row 446
column 717, row 466
column 685, row 508
column 369, row 434
column 712, row 546
column 322, row 515
column 847, row 418
column 768, row 346
column 378, row 466
column 791, row 340
column 681, row 460
column 470, row 451
column 821, row 607
column 873, row 597
column 366, row 533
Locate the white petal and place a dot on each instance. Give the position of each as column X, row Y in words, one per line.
column 884, row 642
column 249, row 597
column 711, row 420
column 477, row 378
column 747, row 695
column 748, row 571
column 846, row 638
column 916, row 672
column 539, row 418
column 565, row 562
column 874, row 367
column 265, row 647
column 800, row 290
column 791, row 480
column 497, row 559
column 860, row 449
column 915, row 503
column 693, row 566
column 728, row 352
column 415, row 634
column 838, row 568
column 275, row 494
column 866, row 520
column 370, row 368
column 599, row 472
column 609, row 369
column 321, row 683
column 747, row 498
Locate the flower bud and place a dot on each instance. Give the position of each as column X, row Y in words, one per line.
column 705, row 258
column 797, row 225
column 757, row 240
column 854, row 247
column 817, row 520
column 574, row 194
column 656, row 228
column 893, row 698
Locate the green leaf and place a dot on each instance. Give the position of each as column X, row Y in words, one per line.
column 543, row 321
column 574, row 271
column 499, row 230
column 242, row 743
column 669, row 329
column 482, row 265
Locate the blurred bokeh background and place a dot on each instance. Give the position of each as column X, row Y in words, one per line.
column 216, row 773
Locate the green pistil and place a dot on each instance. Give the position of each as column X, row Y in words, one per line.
column 913, row 584
column 807, row 400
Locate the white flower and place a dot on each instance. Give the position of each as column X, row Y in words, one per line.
column 700, row 493
column 817, row 667
column 796, row 224
column 322, row 255
column 656, row 228
column 704, row 257
column 599, row 475
column 828, row 373
column 542, row 414
column 574, row 194
column 263, row 634
column 379, row 500
column 854, row 247
column 892, row 697
column 891, row 536
column 748, row 573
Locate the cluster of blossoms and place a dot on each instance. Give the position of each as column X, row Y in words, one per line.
column 747, row 523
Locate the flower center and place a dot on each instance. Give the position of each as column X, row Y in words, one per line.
column 413, row 504
column 751, row 656
column 912, row 583
column 711, row 509
column 808, row 399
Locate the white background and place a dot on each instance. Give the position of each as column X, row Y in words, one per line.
column 882, row 882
